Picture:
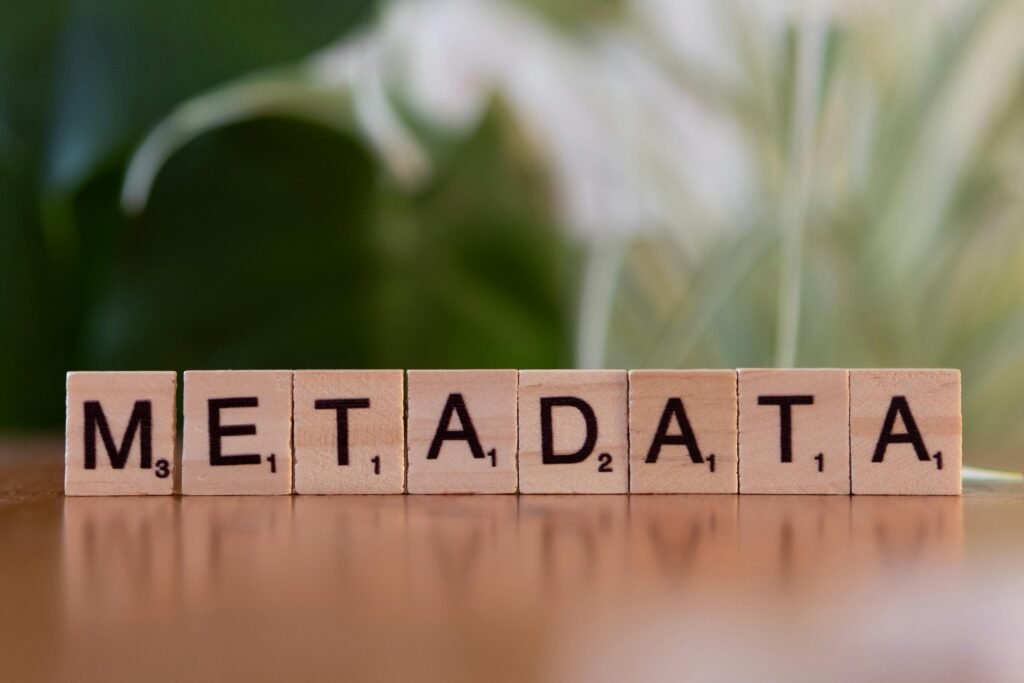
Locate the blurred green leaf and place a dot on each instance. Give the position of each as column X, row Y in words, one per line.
column 572, row 14
column 124, row 64
column 80, row 81
column 489, row 259
column 275, row 243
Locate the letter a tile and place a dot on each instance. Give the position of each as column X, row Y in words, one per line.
column 905, row 431
column 238, row 433
column 573, row 431
column 120, row 433
column 462, row 431
column 682, row 431
column 794, row 431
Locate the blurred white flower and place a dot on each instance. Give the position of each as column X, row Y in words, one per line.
column 629, row 149
column 754, row 181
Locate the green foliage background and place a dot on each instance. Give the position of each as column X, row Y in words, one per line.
column 271, row 243
column 883, row 146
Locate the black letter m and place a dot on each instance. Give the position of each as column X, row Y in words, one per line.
column 142, row 417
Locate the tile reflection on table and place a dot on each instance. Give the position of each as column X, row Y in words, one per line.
column 910, row 533
column 353, row 577
column 795, row 541
column 148, row 553
column 677, row 541
column 570, row 545
column 120, row 558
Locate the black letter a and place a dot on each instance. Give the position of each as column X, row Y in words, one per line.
column 455, row 404
column 141, row 420
column 685, row 437
column 899, row 406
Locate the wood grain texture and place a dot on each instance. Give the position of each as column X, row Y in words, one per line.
column 488, row 399
column 605, row 468
column 677, row 404
column 117, row 394
column 820, row 445
column 931, row 400
column 370, row 405
column 269, row 447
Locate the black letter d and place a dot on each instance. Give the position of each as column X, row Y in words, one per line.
column 547, row 439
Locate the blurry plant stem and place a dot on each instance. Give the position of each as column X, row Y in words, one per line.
column 796, row 190
column 597, row 296
column 282, row 93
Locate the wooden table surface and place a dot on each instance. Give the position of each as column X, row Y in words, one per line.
column 559, row 588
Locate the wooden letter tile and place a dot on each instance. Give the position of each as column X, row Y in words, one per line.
column 462, row 431
column 573, row 431
column 349, row 431
column 120, row 435
column 905, row 431
column 794, row 431
column 238, row 432
column 682, row 431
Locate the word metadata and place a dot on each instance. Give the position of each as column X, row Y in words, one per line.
column 507, row 431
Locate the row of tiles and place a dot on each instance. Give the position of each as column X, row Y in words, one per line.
column 261, row 432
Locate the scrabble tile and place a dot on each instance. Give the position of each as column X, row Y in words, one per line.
column 238, row 433
column 120, row 435
column 573, row 431
column 462, row 431
column 349, row 431
column 794, row 431
column 905, row 431
column 682, row 431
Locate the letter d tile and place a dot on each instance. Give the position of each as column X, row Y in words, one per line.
column 573, row 431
